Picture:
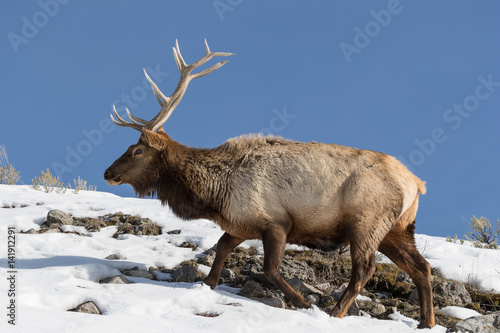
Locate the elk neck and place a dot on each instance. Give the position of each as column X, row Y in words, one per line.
column 193, row 182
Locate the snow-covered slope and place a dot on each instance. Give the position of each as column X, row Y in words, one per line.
column 56, row 272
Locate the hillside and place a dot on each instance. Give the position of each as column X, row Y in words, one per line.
column 57, row 271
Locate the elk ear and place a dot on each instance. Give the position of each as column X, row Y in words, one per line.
column 154, row 139
column 161, row 130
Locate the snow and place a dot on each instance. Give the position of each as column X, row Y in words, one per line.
column 459, row 312
column 57, row 272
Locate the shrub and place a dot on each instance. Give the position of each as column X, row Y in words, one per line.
column 8, row 174
column 482, row 234
column 454, row 240
column 49, row 183
column 81, row 185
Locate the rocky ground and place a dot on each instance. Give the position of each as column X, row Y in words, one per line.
column 321, row 277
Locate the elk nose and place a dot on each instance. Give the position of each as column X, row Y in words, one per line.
column 106, row 175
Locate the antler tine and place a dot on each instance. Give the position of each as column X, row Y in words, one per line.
column 159, row 95
column 179, row 60
column 124, row 123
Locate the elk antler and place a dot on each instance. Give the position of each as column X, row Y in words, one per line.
column 168, row 104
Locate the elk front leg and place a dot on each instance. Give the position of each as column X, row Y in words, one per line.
column 224, row 246
column 274, row 250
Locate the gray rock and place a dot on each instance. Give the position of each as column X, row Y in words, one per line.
column 323, row 286
column 56, row 218
column 289, row 269
column 174, row 232
column 413, row 295
column 253, row 289
column 115, row 256
column 31, row 231
column 138, row 273
column 118, row 279
column 484, row 324
column 303, row 288
column 185, row 274
column 451, row 293
column 404, row 277
column 313, row 299
column 275, row 302
column 337, row 294
column 371, row 307
column 207, row 260
column 87, row 307
column 53, row 230
column 257, row 274
column 226, row 273
column 189, row 245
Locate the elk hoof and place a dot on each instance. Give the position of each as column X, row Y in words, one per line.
column 210, row 283
column 423, row 325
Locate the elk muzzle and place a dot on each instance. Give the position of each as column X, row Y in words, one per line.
column 111, row 178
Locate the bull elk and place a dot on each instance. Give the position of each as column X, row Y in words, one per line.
column 280, row 191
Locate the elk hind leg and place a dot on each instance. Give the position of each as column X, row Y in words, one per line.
column 399, row 246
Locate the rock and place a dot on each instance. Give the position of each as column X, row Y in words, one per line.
column 323, row 286
column 56, row 218
column 53, row 230
column 484, row 324
column 451, row 293
column 135, row 225
column 291, row 268
column 303, row 288
column 115, row 257
column 257, row 274
column 208, row 257
column 87, row 307
column 226, row 273
column 413, row 296
column 189, row 245
column 31, row 231
column 313, row 299
column 174, row 232
column 373, row 308
column 118, row 279
column 185, row 274
column 138, row 273
column 275, row 302
column 337, row 294
column 403, row 277
column 207, row 260
column 253, row 289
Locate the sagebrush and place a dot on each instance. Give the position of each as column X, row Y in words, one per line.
column 49, row 183
column 8, row 174
column 81, row 185
column 482, row 234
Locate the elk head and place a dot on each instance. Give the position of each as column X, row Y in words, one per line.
column 137, row 165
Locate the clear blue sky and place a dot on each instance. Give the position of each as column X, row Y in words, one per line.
column 419, row 80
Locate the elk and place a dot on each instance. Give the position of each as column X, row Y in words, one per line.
column 280, row 191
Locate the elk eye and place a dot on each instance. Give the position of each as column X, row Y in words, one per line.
column 138, row 151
